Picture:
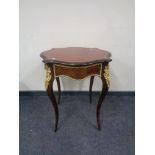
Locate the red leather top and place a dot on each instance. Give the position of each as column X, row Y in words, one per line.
column 75, row 55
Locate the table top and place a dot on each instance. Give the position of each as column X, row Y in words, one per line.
column 75, row 55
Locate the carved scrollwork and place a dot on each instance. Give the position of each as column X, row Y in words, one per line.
column 48, row 76
column 106, row 75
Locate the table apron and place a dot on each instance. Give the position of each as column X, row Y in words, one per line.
column 77, row 72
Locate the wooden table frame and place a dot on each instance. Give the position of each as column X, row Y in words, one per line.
column 78, row 72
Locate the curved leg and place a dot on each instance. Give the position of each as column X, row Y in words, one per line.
column 49, row 88
column 90, row 88
column 59, row 89
column 105, row 87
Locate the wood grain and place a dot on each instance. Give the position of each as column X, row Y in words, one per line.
column 77, row 72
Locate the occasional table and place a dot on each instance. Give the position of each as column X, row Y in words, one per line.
column 76, row 63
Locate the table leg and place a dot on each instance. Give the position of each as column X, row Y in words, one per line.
column 49, row 89
column 59, row 89
column 105, row 87
column 90, row 88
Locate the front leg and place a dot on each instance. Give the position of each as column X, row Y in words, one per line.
column 105, row 86
column 90, row 88
column 59, row 89
column 49, row 89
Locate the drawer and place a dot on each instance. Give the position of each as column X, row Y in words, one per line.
column 77, row 72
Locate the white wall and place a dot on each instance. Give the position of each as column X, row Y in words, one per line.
column 105, row 24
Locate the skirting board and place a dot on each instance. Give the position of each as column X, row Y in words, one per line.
column 72, row 93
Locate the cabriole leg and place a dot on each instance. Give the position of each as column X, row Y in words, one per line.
column 49, row 89
column 90, row 88
column 105, row 86
column 59, row 89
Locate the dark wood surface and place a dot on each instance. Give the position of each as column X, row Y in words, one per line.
column 90, row 88
column 77, row 63
column 59, row 89
column 75, row 55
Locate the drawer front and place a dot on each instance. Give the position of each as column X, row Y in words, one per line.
column 77, row 72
